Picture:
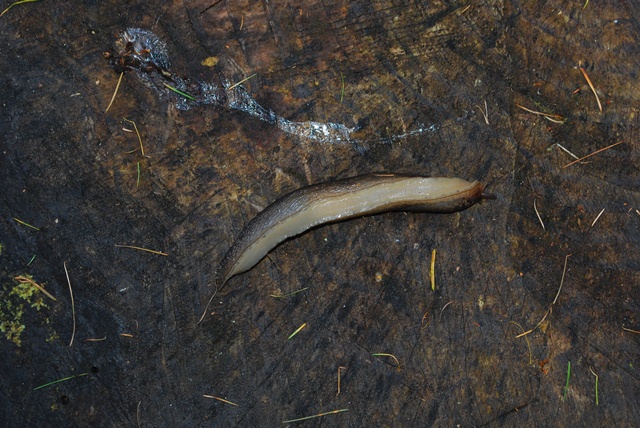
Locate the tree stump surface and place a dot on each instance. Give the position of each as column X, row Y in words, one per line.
column 426, row 87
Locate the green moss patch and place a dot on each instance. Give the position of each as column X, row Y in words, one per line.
column 14, row 298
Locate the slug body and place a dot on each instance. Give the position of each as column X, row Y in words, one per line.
column 339, row 200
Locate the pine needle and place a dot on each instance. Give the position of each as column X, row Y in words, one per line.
column 73, row 306
column 241, row 82
column 133, row 247
column 26, row 224
column 586, row 77
column 596, row 219
column 535, row 208
column 566, row 385
column 333, row 412
column 137, row 133
column 220, row 399
column 22, row 279
column 297, row 330
column 115, row 92
column 432, row 271
column 594, row 153
column 15, row 4
column 388, row 355
column 59, row 380
column 178, row 91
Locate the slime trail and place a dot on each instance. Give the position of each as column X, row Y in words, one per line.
column 143, row 52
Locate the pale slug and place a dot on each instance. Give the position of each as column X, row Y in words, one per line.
column 339, row 200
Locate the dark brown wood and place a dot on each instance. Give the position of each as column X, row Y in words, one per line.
column 413, row 78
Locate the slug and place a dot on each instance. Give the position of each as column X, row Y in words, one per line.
column 339, row 200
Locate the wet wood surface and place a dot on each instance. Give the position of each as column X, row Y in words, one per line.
column 431, row 88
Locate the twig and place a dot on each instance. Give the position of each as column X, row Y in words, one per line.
column 220, row 399
column 586, row 76
column 594, row 153
column 596, row 219
column 630, row 330
column 538, row 214
column 133, row 247
column 333, row 412
column 115, row 92
column 73, row 306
